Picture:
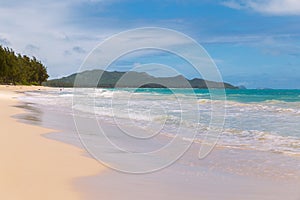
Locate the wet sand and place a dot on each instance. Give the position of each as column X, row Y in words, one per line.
column 225, row 174
column 33, row 167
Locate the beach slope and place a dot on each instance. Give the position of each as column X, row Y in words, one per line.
column 33, row 167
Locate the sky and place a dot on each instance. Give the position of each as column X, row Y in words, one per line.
column 255, row 43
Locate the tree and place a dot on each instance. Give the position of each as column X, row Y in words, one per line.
column 18, row 69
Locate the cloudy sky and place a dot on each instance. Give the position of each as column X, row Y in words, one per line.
column 255, row 43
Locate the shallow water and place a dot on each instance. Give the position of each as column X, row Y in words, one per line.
column 266, row 120
column 248, row 162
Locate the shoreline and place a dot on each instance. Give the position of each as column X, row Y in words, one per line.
column 32, row 166
column 220, row 176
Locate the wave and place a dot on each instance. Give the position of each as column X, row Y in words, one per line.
column 251, row 140
column 258, row 140
column 241, row 115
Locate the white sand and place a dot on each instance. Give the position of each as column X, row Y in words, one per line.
column 33, row 167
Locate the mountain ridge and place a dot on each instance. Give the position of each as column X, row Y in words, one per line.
column 132, row 79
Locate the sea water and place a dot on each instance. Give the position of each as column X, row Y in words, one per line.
column 264, row 120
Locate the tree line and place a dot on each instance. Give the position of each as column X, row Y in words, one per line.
column 20, row 69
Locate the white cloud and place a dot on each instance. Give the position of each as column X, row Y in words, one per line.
column 269, row 7
column 45, row 30
column 79, row 50
column 32, row 49
column 233, row 4
column 4, row 41
column 235, row 39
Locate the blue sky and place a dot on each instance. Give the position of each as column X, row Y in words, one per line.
column 255, row 43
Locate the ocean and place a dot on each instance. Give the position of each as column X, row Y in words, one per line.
column 264, row 120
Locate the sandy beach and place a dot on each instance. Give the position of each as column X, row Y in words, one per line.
column 42, row 158
column 33, row 167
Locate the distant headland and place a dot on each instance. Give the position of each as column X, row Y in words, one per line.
column 132, row 79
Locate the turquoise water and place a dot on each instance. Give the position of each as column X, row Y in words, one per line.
column 263, row 95
column 266, row 120
column 242, row 95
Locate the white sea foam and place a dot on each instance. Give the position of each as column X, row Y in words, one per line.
column 270, row 125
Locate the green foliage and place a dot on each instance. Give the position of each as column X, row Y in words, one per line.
column 20, row 70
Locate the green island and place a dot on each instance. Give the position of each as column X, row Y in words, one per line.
column 131, row 79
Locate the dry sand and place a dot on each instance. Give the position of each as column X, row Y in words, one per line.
column 33, row 167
